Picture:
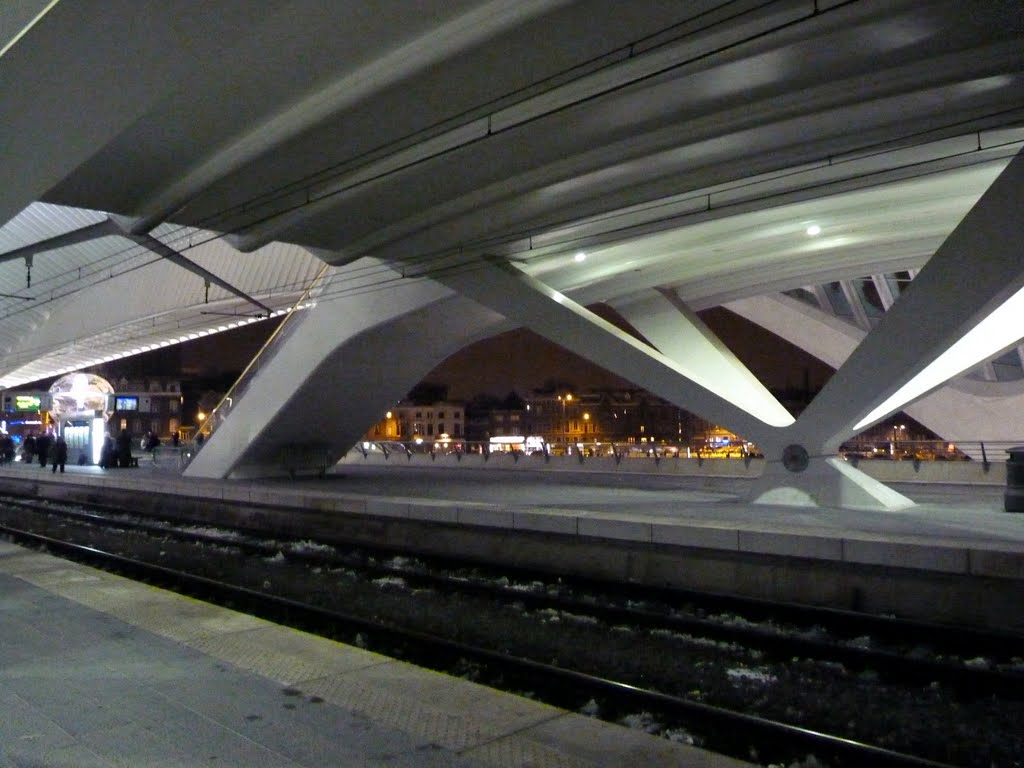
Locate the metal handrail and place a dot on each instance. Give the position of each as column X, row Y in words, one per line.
column 903, row 450
column 220, row 413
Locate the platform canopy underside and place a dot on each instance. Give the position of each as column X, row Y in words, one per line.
column 646, row 155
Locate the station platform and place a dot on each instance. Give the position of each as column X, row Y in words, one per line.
column 98, row 670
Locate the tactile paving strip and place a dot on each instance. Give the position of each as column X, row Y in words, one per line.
column 489, row 727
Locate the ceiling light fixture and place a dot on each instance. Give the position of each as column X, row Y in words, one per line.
column 813, row 230
column 580, row 257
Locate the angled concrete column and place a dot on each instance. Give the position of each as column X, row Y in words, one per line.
column 680, row 335
column 547, row 312
column 963, row 410
column 966, row 304
column 339, row 368
column 972, row 283
column 527, row 301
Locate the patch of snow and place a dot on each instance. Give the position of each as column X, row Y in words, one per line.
column 679, row 736
column 390, row 581
column 744, row 674
column 859, row 642
column 308, row 546
column 590, row 709
column 644, row 721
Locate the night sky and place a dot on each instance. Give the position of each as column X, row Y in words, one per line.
column 518, row 360
column 521, row 360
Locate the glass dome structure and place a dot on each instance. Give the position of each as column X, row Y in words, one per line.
column 80, row 393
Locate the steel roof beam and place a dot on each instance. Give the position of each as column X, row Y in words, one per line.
column 164, row 251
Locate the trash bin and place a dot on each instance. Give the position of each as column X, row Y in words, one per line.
column 1013, row 499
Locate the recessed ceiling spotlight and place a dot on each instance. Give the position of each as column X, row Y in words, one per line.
column 580, row 256
column 813, row 230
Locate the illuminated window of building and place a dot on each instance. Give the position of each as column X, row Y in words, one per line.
column 173, row 405
column 514, row 417
column 641, row 429
column 124, row 423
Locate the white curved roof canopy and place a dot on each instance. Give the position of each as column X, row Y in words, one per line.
column 684, row 147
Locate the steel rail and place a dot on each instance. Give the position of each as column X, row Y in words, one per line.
column 894, row 666
column 561, row 687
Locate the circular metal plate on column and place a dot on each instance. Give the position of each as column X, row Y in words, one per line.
column 795, row 458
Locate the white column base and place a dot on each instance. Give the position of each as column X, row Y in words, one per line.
column 827, row 482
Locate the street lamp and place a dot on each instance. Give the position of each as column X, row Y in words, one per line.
column 565, row 424
column 897, row 429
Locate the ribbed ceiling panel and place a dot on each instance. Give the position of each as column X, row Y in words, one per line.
column 111, row 297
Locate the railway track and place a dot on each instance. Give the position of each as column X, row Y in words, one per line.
column 566, row 687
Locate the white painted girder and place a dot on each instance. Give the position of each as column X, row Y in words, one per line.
column 682, row 337
column 335, row 370
column 522, row 299
column 976, row 270
column 961, row 411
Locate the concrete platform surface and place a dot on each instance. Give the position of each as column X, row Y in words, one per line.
column 954, row 529
column 98, row 671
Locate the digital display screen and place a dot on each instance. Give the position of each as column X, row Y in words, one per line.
column 126, row 403
column 27, row 402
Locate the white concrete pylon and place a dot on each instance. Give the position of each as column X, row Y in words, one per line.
column 525, row 300
column 680, row 335
column 974, row 281
column 966, row 304
column 825, row 481
column 963, row 411
column 368, row 340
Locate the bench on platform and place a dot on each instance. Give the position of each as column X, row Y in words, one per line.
column 306, row 457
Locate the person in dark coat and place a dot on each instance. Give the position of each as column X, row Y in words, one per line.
column 108, row 454
column 43, row 448
column 28, row 448
column 124, row 449
column 60, row 453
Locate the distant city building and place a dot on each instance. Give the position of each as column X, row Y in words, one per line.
column 628, row 416
column 153, row 404
column 410, row 421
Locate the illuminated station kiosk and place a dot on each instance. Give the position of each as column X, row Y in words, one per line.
column 76, row 406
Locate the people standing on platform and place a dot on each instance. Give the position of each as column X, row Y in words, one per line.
column 7, row 449
column 28, row 449
column 43, row 448
column 124, row 449
column 108, row 453
column 60, row 453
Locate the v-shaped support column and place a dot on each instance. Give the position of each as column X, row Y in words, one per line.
column 965, row 305
column 523, row 299
column 367, row 341
column 676, row 331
